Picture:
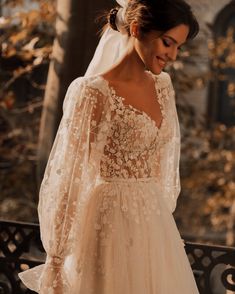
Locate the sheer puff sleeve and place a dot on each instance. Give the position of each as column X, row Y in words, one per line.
column 171, row 152
column 64, row 191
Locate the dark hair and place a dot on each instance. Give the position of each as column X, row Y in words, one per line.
column 158, row 15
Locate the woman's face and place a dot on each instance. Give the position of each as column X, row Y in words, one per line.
column 156, row 50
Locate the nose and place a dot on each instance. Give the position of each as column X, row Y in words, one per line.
column 172, row 54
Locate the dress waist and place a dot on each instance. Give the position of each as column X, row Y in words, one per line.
column 129, row 180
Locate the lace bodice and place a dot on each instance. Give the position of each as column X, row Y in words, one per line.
column 133, row 142
column 125, row 142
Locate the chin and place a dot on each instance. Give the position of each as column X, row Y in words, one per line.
column 155, row 71
column 154, row 68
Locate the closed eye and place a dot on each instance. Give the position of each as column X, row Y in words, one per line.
column 166, row 43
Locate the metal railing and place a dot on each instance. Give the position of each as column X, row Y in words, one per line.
column 21, row 248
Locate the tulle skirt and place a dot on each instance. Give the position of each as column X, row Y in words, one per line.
column 130, row 244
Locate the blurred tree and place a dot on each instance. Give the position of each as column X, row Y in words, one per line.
column 26, row 35
column 72, row 51
column 26, row 39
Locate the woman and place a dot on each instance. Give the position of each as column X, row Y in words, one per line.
column 112, row 178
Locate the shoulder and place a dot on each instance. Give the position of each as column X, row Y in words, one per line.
column 74, row 94
column 81, row 86
column 164, row 80
column 91, row 90
column 164, row 85
column 88, row 83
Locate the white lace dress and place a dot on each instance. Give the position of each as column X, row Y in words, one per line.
column 107, row 197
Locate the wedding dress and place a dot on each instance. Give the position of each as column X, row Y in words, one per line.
column 107, row 197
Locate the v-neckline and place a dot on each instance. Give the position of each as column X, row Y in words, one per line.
column 141, row 112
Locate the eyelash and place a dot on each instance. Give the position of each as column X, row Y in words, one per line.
column 168, row 45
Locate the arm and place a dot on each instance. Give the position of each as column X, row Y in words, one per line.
column 69, row 176
column 170, row 154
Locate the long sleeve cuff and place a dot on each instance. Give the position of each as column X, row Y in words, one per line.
column 55, row 261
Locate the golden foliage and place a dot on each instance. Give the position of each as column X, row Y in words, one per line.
column 27, row 40
column 26, row 44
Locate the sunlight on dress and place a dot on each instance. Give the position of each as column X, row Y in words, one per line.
column 107, row 197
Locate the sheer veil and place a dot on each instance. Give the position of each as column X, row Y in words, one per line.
column 112, row 46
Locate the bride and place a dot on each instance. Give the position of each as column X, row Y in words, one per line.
column 112, row 178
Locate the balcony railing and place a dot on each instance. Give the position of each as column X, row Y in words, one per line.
column 21, row 248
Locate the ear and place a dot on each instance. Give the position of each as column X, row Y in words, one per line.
column 134, row 29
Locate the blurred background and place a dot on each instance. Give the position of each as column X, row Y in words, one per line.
column 44, row 45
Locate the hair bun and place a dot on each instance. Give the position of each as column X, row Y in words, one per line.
column 112, row 18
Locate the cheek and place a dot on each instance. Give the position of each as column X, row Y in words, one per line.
column 147, row 50
column 158, row 48
column 153, row 49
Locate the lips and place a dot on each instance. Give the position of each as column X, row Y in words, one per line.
column 161, row 61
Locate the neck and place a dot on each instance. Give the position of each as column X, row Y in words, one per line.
column 129, row 69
